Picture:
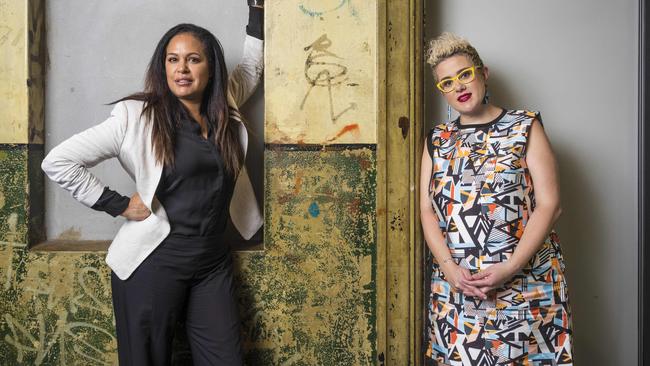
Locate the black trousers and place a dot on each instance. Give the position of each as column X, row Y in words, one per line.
column 186, row 279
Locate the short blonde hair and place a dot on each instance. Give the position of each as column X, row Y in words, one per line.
column 447, row 45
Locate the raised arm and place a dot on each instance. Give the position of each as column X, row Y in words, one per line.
column 247, row 75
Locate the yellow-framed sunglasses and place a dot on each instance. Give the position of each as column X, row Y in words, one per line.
column 465, row 76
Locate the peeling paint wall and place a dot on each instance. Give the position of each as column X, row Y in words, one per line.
column 316, row 300
column 55, row 307
column 309, row 298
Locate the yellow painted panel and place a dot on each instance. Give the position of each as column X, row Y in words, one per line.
column 13, row 72
column 321, row 71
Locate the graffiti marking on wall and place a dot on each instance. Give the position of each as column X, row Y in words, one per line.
column 322, row 7
column 351, row 128
column 92, row 292
column 34, row 338
column 323, row 68
column 72, row 335
column 12, row 235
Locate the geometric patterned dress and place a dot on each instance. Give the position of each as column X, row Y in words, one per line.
column 482, row 193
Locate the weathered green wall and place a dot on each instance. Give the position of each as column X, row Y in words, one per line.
column 55, row 306
column 307, row 299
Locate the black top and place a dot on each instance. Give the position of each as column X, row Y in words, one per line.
column 255, row 27
column 195, row 191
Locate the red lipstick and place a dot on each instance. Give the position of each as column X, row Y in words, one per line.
column 464, row 97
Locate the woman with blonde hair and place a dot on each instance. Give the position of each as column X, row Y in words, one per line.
column 498, row 291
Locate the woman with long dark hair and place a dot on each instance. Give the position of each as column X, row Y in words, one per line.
column 183, row 141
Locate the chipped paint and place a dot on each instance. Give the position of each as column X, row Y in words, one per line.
column 309, row 298
column 312, row 294
column 62, row 314
column 55, row 308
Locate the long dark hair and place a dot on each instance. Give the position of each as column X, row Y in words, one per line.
column 164, row 111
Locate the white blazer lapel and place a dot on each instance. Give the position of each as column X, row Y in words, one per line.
column 244, row 211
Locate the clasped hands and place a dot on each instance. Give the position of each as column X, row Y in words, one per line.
column 478, row 284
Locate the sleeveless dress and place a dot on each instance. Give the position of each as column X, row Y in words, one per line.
column 482, row 193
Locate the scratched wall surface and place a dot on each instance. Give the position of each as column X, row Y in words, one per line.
column 309, row 298
column 321, row 72
column 55, row 308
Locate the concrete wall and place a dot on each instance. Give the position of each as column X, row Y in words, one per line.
column 98, row 52
column 576, row 62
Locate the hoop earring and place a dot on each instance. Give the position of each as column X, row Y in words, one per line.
column 486, row 98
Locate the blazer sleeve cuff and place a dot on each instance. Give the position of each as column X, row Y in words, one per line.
column 254, row 52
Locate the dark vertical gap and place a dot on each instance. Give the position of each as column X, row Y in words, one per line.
column 644, row 188
column 38, row 62
column 425, row 252
column 36, row 195
column 430, row 29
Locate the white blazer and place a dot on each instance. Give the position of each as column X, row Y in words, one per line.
column 127, row 137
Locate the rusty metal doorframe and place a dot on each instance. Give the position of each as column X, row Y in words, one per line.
column 400, row 136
